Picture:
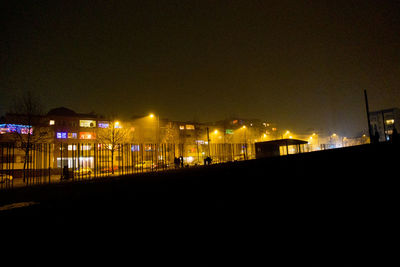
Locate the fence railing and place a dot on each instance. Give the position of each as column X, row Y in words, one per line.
column 47, row 163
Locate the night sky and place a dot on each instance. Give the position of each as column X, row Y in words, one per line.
column 301, row 64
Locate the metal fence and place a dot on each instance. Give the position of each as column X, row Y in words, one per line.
column 47, row 163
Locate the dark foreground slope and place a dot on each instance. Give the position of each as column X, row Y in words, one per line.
column 335, row 200
column 348, row 178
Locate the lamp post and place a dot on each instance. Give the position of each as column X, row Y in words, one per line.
column 245, row 142
column 208, row 141
column 157, row 127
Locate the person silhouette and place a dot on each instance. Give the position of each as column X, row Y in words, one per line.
column 181, row 161
column 375, row 137
column 65, row 172
column 395, row 136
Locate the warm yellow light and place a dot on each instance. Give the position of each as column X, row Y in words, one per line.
column 290, row 137
column 334, row 135
column 151, row 115
column 244, row 127
column 216, row 131
column 287, row 132
column 389, row 122
column 265, row 135
column 313, row 134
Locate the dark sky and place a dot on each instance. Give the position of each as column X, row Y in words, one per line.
column 302, row 64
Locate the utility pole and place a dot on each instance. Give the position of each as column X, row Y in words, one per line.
column 208, row 142
column 369, row 121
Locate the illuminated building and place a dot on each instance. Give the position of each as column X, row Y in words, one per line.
column 384, row 121
column 279, row 147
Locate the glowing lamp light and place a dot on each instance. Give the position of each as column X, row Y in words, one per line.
column 216, row 132
column 151, row 115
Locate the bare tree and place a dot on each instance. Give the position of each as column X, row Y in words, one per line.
column 113, row 137
column 27, row 110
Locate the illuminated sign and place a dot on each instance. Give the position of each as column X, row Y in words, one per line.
column 61, row 135
column 229, row 131
column 189, row 127
column 15, row 128
column 181, row 127
column 87, row 123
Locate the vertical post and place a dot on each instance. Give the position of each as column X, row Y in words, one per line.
column 208, row 141
column 287, row 148
column 384, row 125
column 367, row 110
column 61, row 158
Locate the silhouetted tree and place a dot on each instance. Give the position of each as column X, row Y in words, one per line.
column 27, row 110
column 113, row 137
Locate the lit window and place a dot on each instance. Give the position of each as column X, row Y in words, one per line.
column 189, row 127
column 229, row 131
column 61, row 135
column 389, row 122
column 135, row 148
column 52, row 122
column 181, row 127
column 72, row 135
column 103, row 124
column 87, row 123
column 87, row 135
column 71, row 147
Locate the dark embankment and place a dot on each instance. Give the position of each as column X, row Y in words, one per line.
column 345, row 181
column 323, row 205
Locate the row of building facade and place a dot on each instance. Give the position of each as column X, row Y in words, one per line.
column 159, row 139
column 149, row 135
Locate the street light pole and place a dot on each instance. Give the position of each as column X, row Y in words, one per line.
column 369, row 121
column 208, row 141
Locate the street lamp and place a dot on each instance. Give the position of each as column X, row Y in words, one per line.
column 245, row 142
column 152, row 116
